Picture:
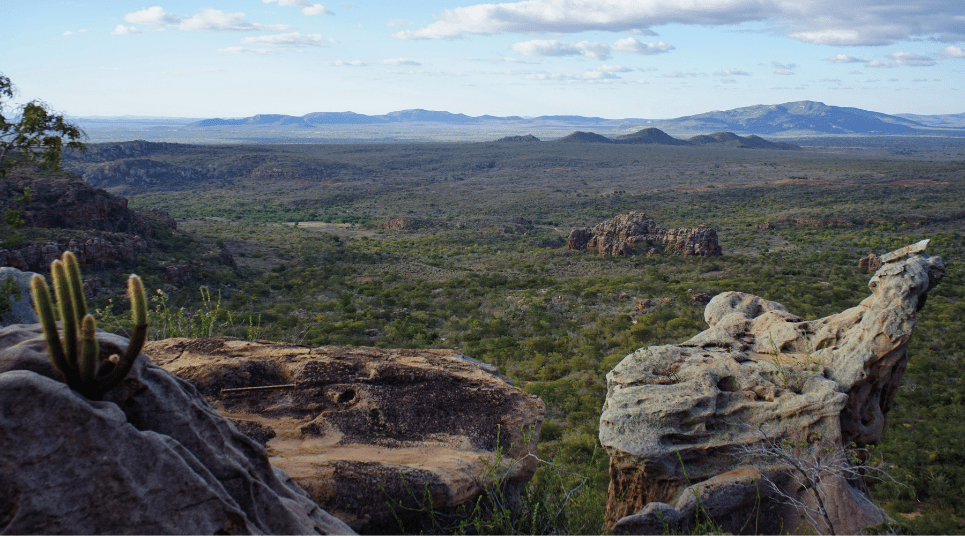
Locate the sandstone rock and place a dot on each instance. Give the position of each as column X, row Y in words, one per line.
column 152, row 458
column 870, row 263
column 37, row 256
column 760, row 369
column 622, row 234
column 21, row 308
column 360, row 427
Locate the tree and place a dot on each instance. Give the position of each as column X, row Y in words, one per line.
column 36, row 133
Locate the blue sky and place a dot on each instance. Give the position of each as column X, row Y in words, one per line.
column 615, row 59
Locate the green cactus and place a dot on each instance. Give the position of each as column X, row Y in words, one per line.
column 89, row 367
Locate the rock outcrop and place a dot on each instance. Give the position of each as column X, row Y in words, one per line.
column 869, row 263
column 37, row 256
column 151, row 458
column 401, row 224
column 757, row 377
column 361, row 428
column 622, row 234
column 20, row 309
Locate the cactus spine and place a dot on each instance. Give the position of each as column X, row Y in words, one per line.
column 89, row 367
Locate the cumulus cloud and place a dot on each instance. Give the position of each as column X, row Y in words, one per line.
column 633, row 46
column 552, row 47
column 308, row 8
column 288, row 40
column 120, row 29
column 827, row 22
column 207, row 20
column 399, row 61
column 914, row 60
column 878, row 64
column 955, row 52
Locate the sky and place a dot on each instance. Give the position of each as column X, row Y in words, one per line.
column 650, row 59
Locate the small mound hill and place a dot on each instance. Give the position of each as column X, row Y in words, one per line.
column 746, row 142
column 653, row 136
column 585, row 137
column 528, row 137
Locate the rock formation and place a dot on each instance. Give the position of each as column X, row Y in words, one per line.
column 21, row 310
column 757, row 377
column 362, row 427
column 95, row 225
column 622, row 234
column 401, row 224
column 869, row 263
column 151, row 458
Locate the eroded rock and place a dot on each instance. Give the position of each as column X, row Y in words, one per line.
column 622, row 234
column 759, row 371
column 362, row 427
column 151, row 458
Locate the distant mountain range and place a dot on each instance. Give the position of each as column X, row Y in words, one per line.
column 655, row 136
column 791, row 119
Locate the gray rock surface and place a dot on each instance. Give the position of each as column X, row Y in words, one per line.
column 151, row 458
column 21, row 310
column 760, row 371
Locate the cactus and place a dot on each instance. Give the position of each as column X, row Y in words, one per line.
column 89, row 367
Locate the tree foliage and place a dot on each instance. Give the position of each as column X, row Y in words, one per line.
column 35, row 133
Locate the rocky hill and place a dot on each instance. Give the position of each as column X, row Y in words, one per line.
column 633, row 232
column 96, row 225
column 650, row 136
column 744, row 142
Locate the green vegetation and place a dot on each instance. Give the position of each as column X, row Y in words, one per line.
column 487, row 271
column 36, row 135
column 91, row 368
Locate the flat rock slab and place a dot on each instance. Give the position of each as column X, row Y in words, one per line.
column 362, row 427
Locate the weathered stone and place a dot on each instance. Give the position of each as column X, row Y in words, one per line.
column 362, row 427
column 177, row 273
column 870, row 263
column 760, row 369
column 151, row 458
column 622, row 234
column 21, row 308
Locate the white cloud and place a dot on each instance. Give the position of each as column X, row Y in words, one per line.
column 920, row 80
column 352, row 63
column 243, row 50
column 395, row 23
column 399, row 61
column 630, row 44
column 955, row 52
column 828, row 22
column 914, row 60
column 68, row 32
column 844, row 58
column 878, row 64
column 783, row 67
column 551, row 47
column 784, row 72
column 644, row 31
column 308, row 8
column 732, row 72
column 288, row 40
column 207, row 20
column 120, row 29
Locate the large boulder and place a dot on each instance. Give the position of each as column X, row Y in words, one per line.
column 622, row 234
column 151, row 458
column 685, row 421
column 19, row 310
column 369, row 432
